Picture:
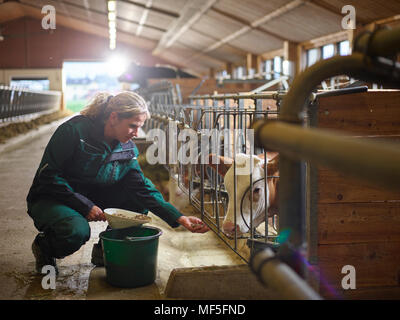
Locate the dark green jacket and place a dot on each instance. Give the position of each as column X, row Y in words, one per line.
column 78, row 156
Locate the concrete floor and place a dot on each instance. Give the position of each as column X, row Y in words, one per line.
column 78, row 278
column 17, row 277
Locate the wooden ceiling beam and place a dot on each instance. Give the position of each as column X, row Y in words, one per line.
column 240, row 51
column 10, row 11
column 144, row 17
column 246, row 23
column 186, row 20
column 87, row 7
column 152, row 8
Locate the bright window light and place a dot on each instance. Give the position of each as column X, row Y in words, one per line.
column 116, row 65
column 312, row 56
column 277, row 66
column 268, row 69
column 286, row 67
column 344, row 48
column 328, row 51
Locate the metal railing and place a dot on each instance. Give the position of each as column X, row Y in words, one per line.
column 204, row 187
column 15, row 103
column 227, row 114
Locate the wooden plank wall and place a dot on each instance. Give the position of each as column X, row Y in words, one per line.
column 359, row 223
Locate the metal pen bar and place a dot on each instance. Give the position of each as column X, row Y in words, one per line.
column 234, row 179
column 251, row 193
column 338, row 92
column 266, row 195
column 267, row 95
column 215, row 104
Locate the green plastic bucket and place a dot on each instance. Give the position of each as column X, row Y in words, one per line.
column 130, row 255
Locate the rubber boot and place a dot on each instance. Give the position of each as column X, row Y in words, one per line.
column 42, row 258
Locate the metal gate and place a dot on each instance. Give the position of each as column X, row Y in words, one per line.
column 229, row 118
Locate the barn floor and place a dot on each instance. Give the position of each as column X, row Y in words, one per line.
column 179, row 249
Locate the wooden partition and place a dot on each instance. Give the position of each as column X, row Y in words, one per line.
column 359, row 223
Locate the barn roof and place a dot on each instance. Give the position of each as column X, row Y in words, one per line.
column 197, row 35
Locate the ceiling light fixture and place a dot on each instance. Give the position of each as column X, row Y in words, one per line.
column 112, row 24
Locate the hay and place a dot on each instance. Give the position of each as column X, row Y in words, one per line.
column 14, row 129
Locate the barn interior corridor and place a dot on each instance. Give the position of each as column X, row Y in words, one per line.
column 261, row 137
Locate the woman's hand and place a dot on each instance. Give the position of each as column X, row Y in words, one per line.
column 96, row 214
column 193, row 224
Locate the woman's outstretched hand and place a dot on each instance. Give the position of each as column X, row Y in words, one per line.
column 193, row 224
column 96, row 214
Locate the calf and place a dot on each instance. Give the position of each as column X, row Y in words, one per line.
column 226, row 169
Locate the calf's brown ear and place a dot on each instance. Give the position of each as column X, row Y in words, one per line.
column 273, row 164
column 270, row 155
column 223, row 165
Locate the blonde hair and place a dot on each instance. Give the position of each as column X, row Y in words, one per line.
column 126, row 104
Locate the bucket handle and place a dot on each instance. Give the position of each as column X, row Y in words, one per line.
column 128, row 238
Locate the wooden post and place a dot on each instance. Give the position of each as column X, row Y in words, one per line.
column 253, row 62
column 229, row 68
column 290, row 54
column 211, row 74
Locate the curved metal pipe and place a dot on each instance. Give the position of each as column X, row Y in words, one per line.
column 372, row 161
column 265, row 95
column 357, row 66
column 277, row 275
column 384, row 42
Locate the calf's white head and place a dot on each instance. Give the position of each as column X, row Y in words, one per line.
column 243, row 207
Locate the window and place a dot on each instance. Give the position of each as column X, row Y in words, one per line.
column 286, row 66
column 328, row 51
column 222, row 74
column 268, row 69
column 277, row 67
column 312, row 56
column 251, row 72
column 273, row 68
column 238, row 73
column 344, row 48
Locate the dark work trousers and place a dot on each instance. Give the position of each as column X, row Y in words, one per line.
column 66, row 230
